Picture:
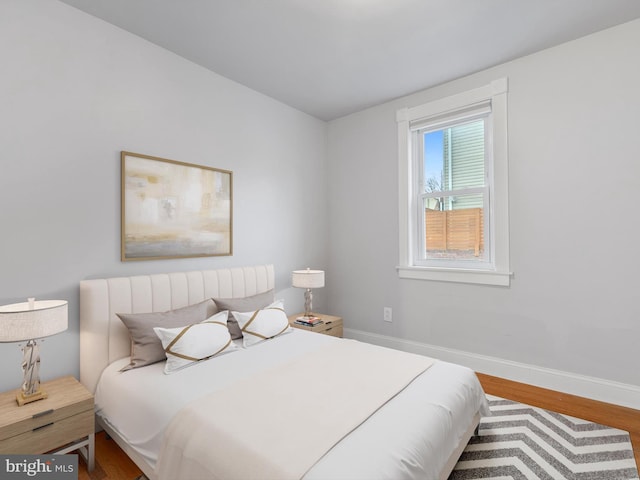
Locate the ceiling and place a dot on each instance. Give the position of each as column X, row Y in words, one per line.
column 330, row 58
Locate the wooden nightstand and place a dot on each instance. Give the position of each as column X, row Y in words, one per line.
column 61, row 423
column 331, row 326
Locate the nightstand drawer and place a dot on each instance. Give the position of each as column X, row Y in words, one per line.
column 67, row 398
column 44, row 417
column 334, row 331
column 50, row 435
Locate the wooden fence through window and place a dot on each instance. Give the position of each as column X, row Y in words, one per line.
column 461, row 230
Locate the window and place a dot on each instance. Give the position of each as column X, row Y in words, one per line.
column 453, row 188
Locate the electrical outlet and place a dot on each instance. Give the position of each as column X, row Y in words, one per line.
column 388, row 314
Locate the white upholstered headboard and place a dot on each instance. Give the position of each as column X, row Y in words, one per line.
column 104, row 338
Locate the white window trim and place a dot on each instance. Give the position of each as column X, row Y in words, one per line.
column 500, row 274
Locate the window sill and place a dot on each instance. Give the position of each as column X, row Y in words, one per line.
column 480, row 277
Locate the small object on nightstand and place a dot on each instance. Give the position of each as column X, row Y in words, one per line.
column 328, row 325
column 308, row 321
column 61, row 423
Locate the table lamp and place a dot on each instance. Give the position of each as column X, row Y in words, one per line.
column 307, row 279
column 27, row 322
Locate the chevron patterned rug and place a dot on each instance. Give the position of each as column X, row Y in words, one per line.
column 523, row 442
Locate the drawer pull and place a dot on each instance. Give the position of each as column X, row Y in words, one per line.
column 42, row 414
column 42, row 426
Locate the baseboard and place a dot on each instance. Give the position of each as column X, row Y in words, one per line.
column 589, row 387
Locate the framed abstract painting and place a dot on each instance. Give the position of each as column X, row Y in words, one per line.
column 174, row 209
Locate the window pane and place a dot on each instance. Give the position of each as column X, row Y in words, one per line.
column 454, row 157
column 454, row 229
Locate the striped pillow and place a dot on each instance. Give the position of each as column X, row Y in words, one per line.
column 262, row 324
column 185, row 346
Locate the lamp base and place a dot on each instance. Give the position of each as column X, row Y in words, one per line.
column 308, row 299
column 23, row 399
column 30, row 391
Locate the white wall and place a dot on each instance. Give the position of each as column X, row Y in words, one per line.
column 574, row 180
column 74, row 92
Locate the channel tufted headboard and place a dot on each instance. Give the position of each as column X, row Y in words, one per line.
column 104, row 338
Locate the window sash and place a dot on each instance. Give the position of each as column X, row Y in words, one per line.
column 421, row 257
column 441, row 122
column 418, row 142
column 453, row 193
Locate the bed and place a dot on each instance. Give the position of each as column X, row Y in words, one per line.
column 418, row 430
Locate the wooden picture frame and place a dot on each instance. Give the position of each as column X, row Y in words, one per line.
column 174, row 209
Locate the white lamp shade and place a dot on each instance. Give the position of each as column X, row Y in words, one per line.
column 307, row 278
column 32, row 320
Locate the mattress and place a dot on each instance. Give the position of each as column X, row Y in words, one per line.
column 411, row 436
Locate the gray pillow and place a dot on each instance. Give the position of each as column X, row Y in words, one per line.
column 146, row 347
column 243, row 304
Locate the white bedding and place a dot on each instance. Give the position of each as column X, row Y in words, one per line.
column 412, row 436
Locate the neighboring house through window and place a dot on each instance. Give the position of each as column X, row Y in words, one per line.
column 453, row 188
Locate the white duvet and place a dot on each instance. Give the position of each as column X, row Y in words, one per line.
column 412, row 436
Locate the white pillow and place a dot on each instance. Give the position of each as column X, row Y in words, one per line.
column 190, row 344
column 262, row 324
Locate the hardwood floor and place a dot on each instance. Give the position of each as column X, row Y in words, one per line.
column 113, row 464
